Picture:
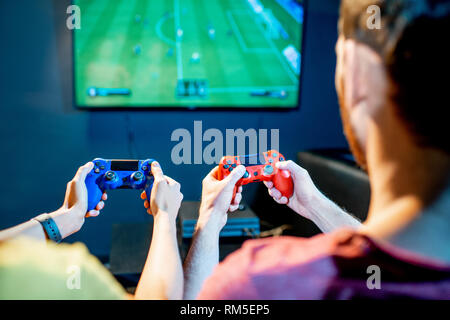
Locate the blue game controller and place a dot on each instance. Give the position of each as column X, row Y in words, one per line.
column 118, row 174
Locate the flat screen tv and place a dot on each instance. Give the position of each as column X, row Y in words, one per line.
column 188, row 53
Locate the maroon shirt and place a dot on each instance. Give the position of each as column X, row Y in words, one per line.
column 327, row 266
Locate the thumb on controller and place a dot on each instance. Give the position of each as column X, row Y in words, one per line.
column 296, row 171
column 235, row 175
column 157, row 171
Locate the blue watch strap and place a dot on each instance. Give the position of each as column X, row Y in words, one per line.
column 50, row 227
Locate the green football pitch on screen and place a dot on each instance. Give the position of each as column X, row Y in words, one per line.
column 188, row 53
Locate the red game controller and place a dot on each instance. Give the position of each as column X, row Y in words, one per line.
column 260, row 167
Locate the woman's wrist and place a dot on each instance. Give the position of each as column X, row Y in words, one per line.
column 164, row 217
column 67, row 221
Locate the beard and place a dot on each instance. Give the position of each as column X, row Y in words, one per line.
column 355, row 146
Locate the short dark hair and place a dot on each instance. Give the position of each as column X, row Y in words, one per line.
column 413, row 42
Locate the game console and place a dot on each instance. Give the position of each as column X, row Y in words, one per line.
column 242, row 223
column 118, row 174
column 260, row 167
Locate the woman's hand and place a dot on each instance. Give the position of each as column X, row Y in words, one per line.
column 165, row 197
column 70, row 217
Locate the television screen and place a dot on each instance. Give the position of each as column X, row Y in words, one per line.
column 188, row 53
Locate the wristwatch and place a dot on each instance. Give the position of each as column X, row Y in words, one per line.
column 50, row 227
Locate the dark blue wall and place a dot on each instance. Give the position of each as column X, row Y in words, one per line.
column 43, row 138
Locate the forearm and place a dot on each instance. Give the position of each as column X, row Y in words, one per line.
column 31, row 228
column 162, row 277
column 328, row 216
column 65, row 220
column 203, row 256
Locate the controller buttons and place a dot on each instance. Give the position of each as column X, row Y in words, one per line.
column 226, row 166
column 137, row 176
column 234, row 165
column 102, row 167
column 246, row 174
column 255, row 173
column 274, row 154
column 281, row 159
column 268, row 169
column 96, row 170
column 110, row 175
column 229, row 162
column 270, row 160
column 231, row 169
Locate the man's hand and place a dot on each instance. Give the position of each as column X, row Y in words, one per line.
column 217, row 196
column 310, row 203
column 305, row 192
column 203, row 254
column 165, row 197
column 70, row 217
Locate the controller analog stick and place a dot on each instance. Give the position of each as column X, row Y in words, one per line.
column 137, row 176
column 110, row 176
column 268, row 169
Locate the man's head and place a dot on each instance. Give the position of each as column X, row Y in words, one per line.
column 403, row 64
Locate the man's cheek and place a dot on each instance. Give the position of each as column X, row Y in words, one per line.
column 338, row 79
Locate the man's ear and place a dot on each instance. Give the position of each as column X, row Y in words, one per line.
column 355, row 84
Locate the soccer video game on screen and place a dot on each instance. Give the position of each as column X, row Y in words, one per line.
column 188, row 53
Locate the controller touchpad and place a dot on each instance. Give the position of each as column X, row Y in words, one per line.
column 252, row 160
column 125, row 165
